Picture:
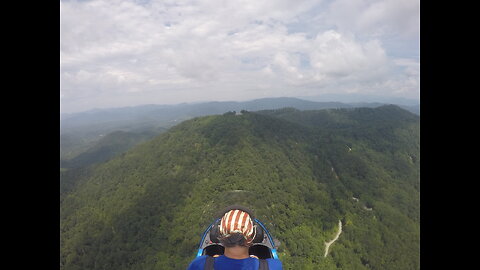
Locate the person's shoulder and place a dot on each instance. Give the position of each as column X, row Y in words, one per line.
column 198, row 263
column 274, row 264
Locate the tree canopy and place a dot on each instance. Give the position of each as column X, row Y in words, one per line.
column 147, row 207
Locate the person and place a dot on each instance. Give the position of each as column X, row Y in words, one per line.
column 236, row 235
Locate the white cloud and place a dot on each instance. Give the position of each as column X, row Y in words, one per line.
column 119, row 53
column 376, row 17
column 336, row 55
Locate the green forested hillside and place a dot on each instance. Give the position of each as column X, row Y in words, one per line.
column 107, row 147
column 305, row 171
column 79, row 148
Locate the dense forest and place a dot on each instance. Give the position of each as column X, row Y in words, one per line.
column 146, row 208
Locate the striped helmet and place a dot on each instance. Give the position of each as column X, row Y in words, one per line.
column 237, row 221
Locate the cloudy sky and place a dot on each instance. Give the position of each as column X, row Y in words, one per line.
column 117, row 53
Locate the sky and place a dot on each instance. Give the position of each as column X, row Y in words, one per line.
column 118, row 53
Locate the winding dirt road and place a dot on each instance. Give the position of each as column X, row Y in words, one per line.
column 327, row 245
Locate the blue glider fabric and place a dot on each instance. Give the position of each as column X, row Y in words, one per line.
column 225, row 263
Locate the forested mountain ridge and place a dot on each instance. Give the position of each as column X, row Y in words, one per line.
column 79, row 131
column 146, row 208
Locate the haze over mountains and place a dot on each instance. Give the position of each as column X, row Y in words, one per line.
column 363, row 98
column 81, row 131
column 218, row 107
column 146, row 207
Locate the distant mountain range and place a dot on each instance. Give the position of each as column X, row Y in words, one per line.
column 216, row 107
column 136, row 117
column 363, row 98
column 81, row 131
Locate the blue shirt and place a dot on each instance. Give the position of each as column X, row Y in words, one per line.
column 224, row 263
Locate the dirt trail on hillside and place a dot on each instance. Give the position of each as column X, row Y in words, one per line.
column 327, row 245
